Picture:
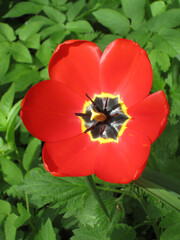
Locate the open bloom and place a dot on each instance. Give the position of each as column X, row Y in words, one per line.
column 95, row 115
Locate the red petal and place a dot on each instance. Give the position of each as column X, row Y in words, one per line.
column 76, row 63
column 125, row 161
column 126, row 70
column 48, row 111
column 150, row 115
column 73, row 157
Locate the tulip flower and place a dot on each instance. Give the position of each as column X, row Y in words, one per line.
column 96, row 115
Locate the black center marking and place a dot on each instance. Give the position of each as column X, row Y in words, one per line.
column 110, row 127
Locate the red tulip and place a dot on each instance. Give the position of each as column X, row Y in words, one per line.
column 95, row 115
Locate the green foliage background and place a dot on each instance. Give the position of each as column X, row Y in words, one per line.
column 36, row 205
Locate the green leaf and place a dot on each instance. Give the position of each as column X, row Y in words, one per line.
column 23, row 8
column 5, row 48
column 168, row 19
column 161, row 44
column 171, row 219
column 11, row 124
column 45, row 52
column 141, row 36
column 33, row 41
column 4, row 64
column 54, row 14
column 20, row 53
column 123, row 232
column 173, row 38
column 89, row 233
column 7, row 32
column 157, row 8
column 12, row 173
column 175, row 98
column 134, row 9
column 46, row 188
column 3, row 122
column 161, row 58
column 105, row 40
column 31, row 152
column 5, row 210
column 49, row 31
column 115, row 21
column 173, row 233
column 27, row 30
column 24, row 216
column 25, row 79
column 7, row 101
column 81, row 26
column 46, row 232
column 169, row 198
column 10, row 229
column 75, row 9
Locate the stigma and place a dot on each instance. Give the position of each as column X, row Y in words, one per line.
column 98, row 116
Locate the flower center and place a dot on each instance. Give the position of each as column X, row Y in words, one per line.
column 104, row 118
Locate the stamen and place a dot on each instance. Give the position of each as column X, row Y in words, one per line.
column 82, row 114
column 102, row 129
column 94, row 104
column 106, row 104
column 90, row 128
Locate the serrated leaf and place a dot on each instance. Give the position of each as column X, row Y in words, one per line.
column 45, row 188
column 10, row 229
column 134, row 9
column 7, row 101
column 54, row 14
column 81, row 26
column 75, row 9
column 46, row 232
column 89, row 233
column 157, row 8
column 123, row 232
column 168, row 197
column 173, row 38
column 23, row 8
column 168, row 19
column 161, row 44
column 113, row 20
column 30, row 153
column 160, row 58
column 7, row 32
column 12, row 173
column 24, row 216
column 20, row 53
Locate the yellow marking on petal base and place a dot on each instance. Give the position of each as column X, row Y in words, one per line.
column 123, row 127
column 98, row 116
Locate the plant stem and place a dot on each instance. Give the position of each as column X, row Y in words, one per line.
column 92, row 187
